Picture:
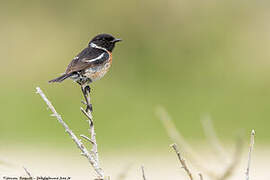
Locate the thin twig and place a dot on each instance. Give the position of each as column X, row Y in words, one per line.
column 211, row 135
column 249, row 153
column 27, row 172
column 201, row 176
column 87, row 138
column 77, row 141
column 182, row 161
column 143, row 173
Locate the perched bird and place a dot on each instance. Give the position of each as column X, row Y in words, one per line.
column 91, row 64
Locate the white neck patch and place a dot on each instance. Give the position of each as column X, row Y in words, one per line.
column 93, row 45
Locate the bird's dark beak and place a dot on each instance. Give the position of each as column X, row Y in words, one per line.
column 116, row 40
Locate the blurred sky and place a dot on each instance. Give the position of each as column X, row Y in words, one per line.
column 192, row 57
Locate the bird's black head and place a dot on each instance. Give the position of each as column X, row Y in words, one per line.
column 106, row 41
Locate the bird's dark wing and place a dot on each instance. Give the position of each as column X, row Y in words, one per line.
column 86, row 59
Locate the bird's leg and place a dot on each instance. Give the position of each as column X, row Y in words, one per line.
column 86, row 93
column 86, row 97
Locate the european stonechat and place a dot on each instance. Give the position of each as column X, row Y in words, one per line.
column 92, row 63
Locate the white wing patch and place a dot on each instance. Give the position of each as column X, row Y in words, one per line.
column 95, row 59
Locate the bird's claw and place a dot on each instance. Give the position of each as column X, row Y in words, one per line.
column 87, row 89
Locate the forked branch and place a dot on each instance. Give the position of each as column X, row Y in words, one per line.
column 92, row 157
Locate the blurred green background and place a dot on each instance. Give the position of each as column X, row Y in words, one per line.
column 192, row 57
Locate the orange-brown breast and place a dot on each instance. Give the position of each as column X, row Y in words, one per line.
column 100, row 71
column 110, row 57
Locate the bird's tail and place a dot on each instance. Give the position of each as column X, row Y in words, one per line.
column 61, row 78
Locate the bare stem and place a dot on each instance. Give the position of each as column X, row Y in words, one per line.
column 182, row 161
column 91, row 158
column 252, row 135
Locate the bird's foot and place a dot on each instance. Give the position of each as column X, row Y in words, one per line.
column 87, row 89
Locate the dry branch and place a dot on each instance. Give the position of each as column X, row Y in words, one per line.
column 92, row 157
column 182, row 161
column 249, row 152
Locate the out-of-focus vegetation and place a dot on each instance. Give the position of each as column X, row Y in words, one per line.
column 193, row 57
